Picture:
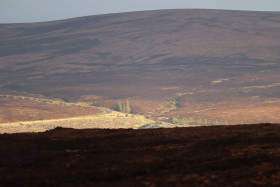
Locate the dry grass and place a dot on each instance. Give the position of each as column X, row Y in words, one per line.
column 114, row 120
column 22, row 108
column 224, row 58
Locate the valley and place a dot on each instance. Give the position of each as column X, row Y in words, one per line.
column 184, row 97
column 29, row 114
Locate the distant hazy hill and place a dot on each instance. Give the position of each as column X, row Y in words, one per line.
column 167, row 63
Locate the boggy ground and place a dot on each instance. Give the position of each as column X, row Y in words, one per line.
column 244, row 155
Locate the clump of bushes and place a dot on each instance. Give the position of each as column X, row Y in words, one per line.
column 123, row 107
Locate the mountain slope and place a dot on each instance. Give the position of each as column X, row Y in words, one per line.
column 204, row 61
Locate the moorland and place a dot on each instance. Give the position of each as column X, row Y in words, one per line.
column 179, row 66
column 245, row 155
column 167, row 68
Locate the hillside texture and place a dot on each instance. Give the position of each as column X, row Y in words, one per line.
column 246, row 155
column 211, row 65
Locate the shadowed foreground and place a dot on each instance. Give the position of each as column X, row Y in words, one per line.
column 223, row 155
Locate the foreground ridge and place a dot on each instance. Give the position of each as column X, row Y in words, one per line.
column 244, row 155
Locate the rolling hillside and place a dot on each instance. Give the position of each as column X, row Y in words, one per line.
column 211, row 66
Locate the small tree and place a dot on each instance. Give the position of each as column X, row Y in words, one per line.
column 118, row 106
column 123, row 107
column 127, row 107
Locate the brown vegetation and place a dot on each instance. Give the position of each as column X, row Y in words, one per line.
column 246, row 155
column 16, row 109
column 218, row 58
